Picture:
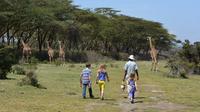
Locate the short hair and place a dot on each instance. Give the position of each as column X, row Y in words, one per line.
column 132, row 75
column 88, row 65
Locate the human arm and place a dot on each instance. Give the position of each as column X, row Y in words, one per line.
column 107, row 77
column 125, row 73
column 81, row 80
column 97, row 77
column 136, row 71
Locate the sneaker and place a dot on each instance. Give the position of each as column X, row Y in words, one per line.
column 132, row 100
column 102, row 98
column 84, row 97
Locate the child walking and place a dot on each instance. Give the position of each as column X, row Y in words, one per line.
column 102, row 76
column 131, row 88
column 85, row 81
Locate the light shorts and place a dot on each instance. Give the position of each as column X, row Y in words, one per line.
column 101, row 85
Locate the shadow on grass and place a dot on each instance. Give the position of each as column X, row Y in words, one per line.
column 140, row 97
column 138, row 102
column 8, row 79
column 125, row 97
column 109, row 99
column 98, row 98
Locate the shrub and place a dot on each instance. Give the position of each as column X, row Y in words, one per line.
column 113, row 55
column 177, row 67
column 76, row 56
column 31, row 79
column 41, row 56
column 93, row 56
column 18, row 69
column 8, row 57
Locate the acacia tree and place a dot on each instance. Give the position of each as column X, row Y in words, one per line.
column 102, row 29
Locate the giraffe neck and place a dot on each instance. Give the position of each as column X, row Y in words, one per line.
column 23, row 43
column 150, row 43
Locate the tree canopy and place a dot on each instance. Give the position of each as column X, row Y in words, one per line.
column 102, row 29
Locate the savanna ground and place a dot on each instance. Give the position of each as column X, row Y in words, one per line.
column 156, row 93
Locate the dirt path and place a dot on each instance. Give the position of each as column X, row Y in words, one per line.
column 154, row 102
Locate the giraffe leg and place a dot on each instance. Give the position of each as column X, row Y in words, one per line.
column 23, row 58
column 64, row 58
column 152, row 65
column 50, row 59
column 156, row 64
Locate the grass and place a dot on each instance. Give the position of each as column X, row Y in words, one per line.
column 63, row 93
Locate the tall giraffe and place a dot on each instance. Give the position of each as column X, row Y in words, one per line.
column 50, row 52
column 154, row 54
column 26, row 50
column 61, row 51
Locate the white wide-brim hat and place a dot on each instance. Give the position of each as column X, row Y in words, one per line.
column 131, row 57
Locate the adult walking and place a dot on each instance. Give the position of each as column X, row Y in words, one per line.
column 130, row 68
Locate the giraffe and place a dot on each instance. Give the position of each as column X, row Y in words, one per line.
column 61, row 51
column 154, row 54
column 26, row 51
column 50, row 52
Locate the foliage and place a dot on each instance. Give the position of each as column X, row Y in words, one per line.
column 186, row 60
column 190, row 53
column 101, row 30
column 31, row 79
column 18, row 69
column 177, row 68
column 9, row 57
column 77, row 56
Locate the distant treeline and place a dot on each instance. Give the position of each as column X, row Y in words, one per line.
column 102, row 29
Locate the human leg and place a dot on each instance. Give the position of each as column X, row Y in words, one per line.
column 90, row 90
column 132, row 94
column 84, row 86
column 102, row 87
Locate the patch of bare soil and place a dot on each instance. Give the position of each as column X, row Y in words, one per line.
column 90, row 107
column 158, row 102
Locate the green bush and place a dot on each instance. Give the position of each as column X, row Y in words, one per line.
column 177, row 68
column 18, row 69
column 8, row 57
column 73, row 56
column 31, row 79
column 76, row 56
column 41, row 56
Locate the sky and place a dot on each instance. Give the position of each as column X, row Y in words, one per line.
column 180, row 17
